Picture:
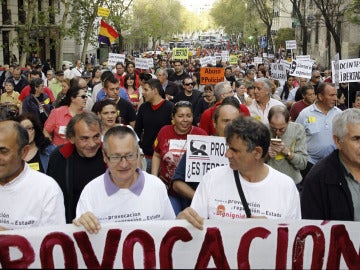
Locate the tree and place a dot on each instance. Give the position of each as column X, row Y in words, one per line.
column 353, row 12
column 284, row 34
column 299, row 7
column 265, row 10
column 333, row 12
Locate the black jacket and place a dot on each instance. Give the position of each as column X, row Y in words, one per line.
column 326, row 195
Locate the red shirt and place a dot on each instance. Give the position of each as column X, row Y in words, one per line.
column 26, row 91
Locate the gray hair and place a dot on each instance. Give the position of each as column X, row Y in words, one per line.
column 89, row 118
column 266, row 82
column 120, row 132
column 220, row 88
column 341, row 121
column 163, row 71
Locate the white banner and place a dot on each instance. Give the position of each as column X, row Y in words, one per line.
column 278, row 71
column 303, row 57
column 290, row 44
column 175, row 244
column 225, row 55
column 286, row 64
column 258, row 60
column 202, row 154
column 349, row 70
column 205, row 60
column 301, row 68
column 113, row 58
column 142, row 63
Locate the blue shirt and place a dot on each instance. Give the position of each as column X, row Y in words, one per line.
column 318, row 129
column 122, row 94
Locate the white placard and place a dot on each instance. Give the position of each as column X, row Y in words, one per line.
column 225, row 55
column 278, row 71
column 349, row 70
column 205, row 60
column 290, row 44
column 301, row 69
column 303, row 57
column 142, row 63
column 258, row 60
column 202, row 154
column 113, row 58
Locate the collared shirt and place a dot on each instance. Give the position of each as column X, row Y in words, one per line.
column 122, row 94
column 318, row 129
column 257, row 112
column 136, row 188
column 165, row 85
column 354, row 187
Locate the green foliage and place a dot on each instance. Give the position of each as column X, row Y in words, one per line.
column 284, row 34
column 353, row 12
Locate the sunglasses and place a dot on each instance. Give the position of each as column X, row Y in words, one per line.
column 187, row 84
column 83, row 96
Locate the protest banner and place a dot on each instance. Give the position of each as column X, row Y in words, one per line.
column 113, row 58
column 290, row 44
column 217, row 56
column 230, row 243
column 278, row 71
column 204, row 152
column 205, row 60
column 349, row 70
column 233, row 59
column 150, row 62
column 180, row 53
column 142, row 63
column 303, row 57
column 301, row 68
column 258, row 60
column 225, row 56
column 211, row 75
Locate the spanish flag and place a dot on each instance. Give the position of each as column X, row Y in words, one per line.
column 107, row 34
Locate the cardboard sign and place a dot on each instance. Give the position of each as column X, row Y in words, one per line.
column 301, row 68
column 349, row 70
column 142, row 63
column 233, row 59
column 113, row 58
column 303, row 57
column 278, row 71
column 204, row 153
column 290, row 44
column 205, row 60
column 103, row 12
column 175, row 244
column 224, row 55
column 180, row 53
column 258, row 60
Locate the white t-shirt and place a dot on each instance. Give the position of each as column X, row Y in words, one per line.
column 147, row 199
column 275, row 197
column 32, row 199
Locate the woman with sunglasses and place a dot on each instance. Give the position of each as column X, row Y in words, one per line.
column 40, row 146
column 170, row 144
column 73, row 104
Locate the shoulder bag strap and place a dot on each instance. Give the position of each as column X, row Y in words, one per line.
column 241, row 193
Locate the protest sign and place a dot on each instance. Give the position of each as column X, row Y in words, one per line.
column 301, row 68
column 180, row 53
column 142, row 63
column 233, row 59
column 278, row 71
column 225, row 56
column 204, row 153
column 229, row 243
column 303, row 57
column 103, row 12
column 205, row 60
column 290, row 44
column 349, row 70
column 258, row 60
column 211, row 75
column 113, row 58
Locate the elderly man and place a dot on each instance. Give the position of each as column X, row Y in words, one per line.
column 287, row 149
column 171, row 89
column 261, row 105
column 317, row 121
column 80, row 160
column 77, row 70
column 28, row 198
column 331, row 188
column 247, row 187
column 124, row 192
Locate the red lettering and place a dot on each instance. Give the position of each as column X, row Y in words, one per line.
column 19, row 242
column 67, row 246
column 148, row 244
column 340, row 243
column 282, row 247
column 167, row 245
column 110, row 250
column 299, row 247
column 245, row 242
column 212, row 247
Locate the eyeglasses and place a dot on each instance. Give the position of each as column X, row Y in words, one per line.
column 83, row 96
column 127, row 157
column 183, row 103
column 187, row 84
column 283, row 129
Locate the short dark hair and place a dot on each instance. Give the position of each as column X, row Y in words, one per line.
column 110, row 79
column 253, row 132
column 89, row 118
column 156, row 84
column 321, row 88
column 35, row 83
column 304, row 88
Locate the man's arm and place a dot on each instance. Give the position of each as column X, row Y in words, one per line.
column 89, row 222
column 192, row 217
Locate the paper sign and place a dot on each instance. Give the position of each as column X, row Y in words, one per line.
column 180, row 53
column 290, row 44
column 103, row 12
column 142, row 63
column 301, row 68
column 113, row 58
column 349, row 70
column 211, row 75
column 278, row 71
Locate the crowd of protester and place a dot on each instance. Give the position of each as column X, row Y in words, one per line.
column 108, row 142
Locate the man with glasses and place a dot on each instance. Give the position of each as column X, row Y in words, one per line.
column 124, row 192
column 287, row 149
column 261, row 105
column 189, row 93
column 315, row 79
column 77, row 162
